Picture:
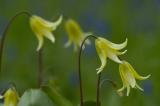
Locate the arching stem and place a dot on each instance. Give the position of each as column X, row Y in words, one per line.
column 79, row 68
column 40, row 67
column 98, row 89
column 4, row 34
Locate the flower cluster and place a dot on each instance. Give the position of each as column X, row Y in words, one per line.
column 43, row 28
column 76, row 36
column 107, row 49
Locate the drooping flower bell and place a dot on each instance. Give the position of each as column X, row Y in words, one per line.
column 75, row 34
column 107, row 49
column 129, row 76
column 11, row 97
column 43, row 28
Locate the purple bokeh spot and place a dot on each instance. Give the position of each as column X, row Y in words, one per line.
column 148, row 88
column 73, row 79
column 92, row 23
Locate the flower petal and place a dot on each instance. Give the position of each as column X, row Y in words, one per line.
column 121, row 89
column 123, row 80
column 127, row 74
column 137, row 86
column 50, row 36
column 136, row 75
column 103, row 59
column 87, row 34
column 114, row 57
column 1, row 96
column 102, row 55
column 103, row 64
column 130, row 78
column 40, row 42
column 57, row 23
column 121, row 53
column 40, row 21
column 128, row 90
column 113, row 45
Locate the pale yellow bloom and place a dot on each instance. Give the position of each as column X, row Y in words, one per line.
column 75, row 34
column 129, row 76
column 43, row 28
column 107, row 49
column 11, row 97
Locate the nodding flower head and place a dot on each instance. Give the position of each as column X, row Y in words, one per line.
column 75, row 34
column 43, row 28
column 129, row 76
column 107, row 49
column 11, row 97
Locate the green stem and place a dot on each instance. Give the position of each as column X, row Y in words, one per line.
column 98, row 89
column 99, row 85
column 4, row 34
column 79, row 68
column 40, row 67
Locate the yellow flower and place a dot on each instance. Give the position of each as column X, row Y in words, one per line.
column 75, row 33
column 129, row 76
column 11, row 97
column 105, row 49
column 43, row 28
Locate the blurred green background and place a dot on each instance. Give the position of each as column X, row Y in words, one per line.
column 138, row 20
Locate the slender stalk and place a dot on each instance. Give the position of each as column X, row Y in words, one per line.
column 99, row 86
column 114, row 85
column 4, row 34
column 40, row 67
column 79, row 68
column 98, row 89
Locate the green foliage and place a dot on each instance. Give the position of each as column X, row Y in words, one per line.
column 35, row 97
column 56, row 97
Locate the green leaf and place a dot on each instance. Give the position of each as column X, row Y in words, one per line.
column 56, row 97
column 35, row 97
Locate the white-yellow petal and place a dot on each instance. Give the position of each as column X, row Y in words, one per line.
column 130, row 78
column 1, row 96
column 113, row 45
column 44, row 23
column 75, row 34
column 43, row 28
column 128, row 90
column 121, row 53
column 103, row 64
column 113, row 57
column 102, row 54
column 57, row 23
column 40, row 42
column 87, row 34
column 121, row 89
column 50, row 36
column 40, row 22
column 127, row 75
column 136, row 75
